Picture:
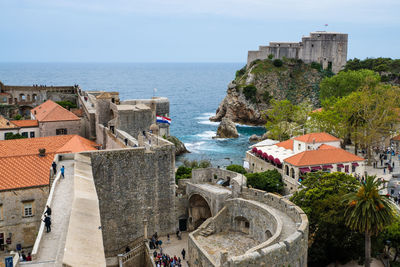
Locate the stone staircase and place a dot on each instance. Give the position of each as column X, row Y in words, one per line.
column 209, row 229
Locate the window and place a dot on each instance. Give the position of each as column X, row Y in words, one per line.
column 61, row 131
column 346, row 168
column 32, row 134
column 25, row 134
column 1, row 213
column 34, row 97
column 353, row 168
column 299, row 146
column 339, row 169
column 5, row 135
column 4, row 99
column 22, row 97
column 28, row 210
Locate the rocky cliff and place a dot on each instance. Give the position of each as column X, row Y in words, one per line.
column 249, row 95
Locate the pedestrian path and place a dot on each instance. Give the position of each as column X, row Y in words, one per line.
column 51, row 249
column 174, row 248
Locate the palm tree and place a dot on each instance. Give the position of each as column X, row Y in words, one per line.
column 368, row 212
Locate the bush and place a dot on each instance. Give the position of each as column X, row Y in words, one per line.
column 277, row 63
column 236, row 168
column 249, row 92
column 267, row 97
column 270, row 181
column 317, row 66
column 66, row 104
column 183, row 173
column 10, row 136
column 204, row 164
column 240, row 72
column 17, row 117
column 270, row 56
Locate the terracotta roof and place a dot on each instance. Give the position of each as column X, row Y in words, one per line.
column 21, row 166
column 77, row 112
column 317, row 137
column 6, row 124
column 324, row 155
column 288, row 144
column 4, row 94
column 317, row 110
column 26, row 123
column 396, row 138
column 51, row 111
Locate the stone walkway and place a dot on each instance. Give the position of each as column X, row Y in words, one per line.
column 52, row 245
column 175, row 246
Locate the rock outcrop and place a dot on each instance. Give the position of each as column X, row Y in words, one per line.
column 249, row 95
column 179, row 146
column 227, row 129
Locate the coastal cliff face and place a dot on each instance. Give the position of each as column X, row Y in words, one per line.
column 248, row 96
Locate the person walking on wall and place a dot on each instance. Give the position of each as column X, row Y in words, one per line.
column 183, row 253
column 47, row 223
column 54, row 165
column 48, row 211
column 62, row 171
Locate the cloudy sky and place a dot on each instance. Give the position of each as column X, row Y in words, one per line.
column 186, row 30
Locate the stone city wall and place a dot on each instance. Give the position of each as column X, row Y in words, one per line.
column 133, row 185
column 49, row 128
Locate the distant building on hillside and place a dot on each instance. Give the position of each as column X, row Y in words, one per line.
column 25, row 172
column 327, row 48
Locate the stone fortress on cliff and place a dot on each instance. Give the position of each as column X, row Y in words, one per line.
column 327, row 48
column 127, row 189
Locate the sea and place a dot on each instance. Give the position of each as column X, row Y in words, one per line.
column 195, row 91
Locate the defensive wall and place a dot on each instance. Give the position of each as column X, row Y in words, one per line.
column 133, row 185
column 327, row 48
column 276, row 228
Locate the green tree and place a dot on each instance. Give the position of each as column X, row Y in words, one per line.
column 368, row 212
column 277, row 63
column 236, row 168
column 346, row 82
column 329, row 238
column 280, row 117
column 66, row 104
column 250, row 92
column 18, row 117
column 392, row 236
column 183, row 173
column 270, row 181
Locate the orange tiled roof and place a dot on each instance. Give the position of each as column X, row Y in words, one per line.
column 51, row 111
column 26, row 123
column 317, row 110
column 288, row 144
column 317, row 137
column 77, row 112
column 6, row 124
column 396, row 138
column 324, row 155
column 21, row 166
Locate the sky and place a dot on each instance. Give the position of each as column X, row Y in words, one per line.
column 186, row 30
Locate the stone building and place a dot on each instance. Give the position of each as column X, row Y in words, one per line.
column 327, row 48
column 25, row 175
column 55, row 120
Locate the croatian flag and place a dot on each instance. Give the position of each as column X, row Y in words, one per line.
column 162, row 119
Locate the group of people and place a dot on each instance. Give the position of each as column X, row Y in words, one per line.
column 23, row 257
column 62, row 169
column 47, row 219
column 162, row 259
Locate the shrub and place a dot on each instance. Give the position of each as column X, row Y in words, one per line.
column 270, row 181
column 10, row 136
column 236, row 168
column 277, row 63
column 17, row 117
column 266, row 97
column 270, row 56
column 317, row 66
column 240, row 72
column 66, row 104
column 249, row 92
column 204, row 164
column 183, row 173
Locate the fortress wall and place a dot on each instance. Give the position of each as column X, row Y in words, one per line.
column 134, row 121
column 212, row 175
column 133, row 185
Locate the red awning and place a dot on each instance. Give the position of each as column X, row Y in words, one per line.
column 277, row 161
column 271, row 158
column 254, row 150
column 316, row 168
column 304, row 170
column 327, row 167
column 259, row 152
column 355, row 164
column 265, row 155
column 340, row 165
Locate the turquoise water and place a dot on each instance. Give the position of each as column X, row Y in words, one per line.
column 194, row 90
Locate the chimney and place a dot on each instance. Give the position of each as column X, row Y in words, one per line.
column 42, row 152
column 34, row 112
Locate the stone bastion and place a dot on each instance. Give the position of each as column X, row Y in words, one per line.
column 252, row 228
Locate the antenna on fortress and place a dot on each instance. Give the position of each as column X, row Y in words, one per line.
column 154, row 92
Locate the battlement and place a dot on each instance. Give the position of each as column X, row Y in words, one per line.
column 327, row 48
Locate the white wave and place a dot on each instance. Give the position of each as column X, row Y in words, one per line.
column 209, row 114
column 206, row 135
column 199, row 146
column 207, row 122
